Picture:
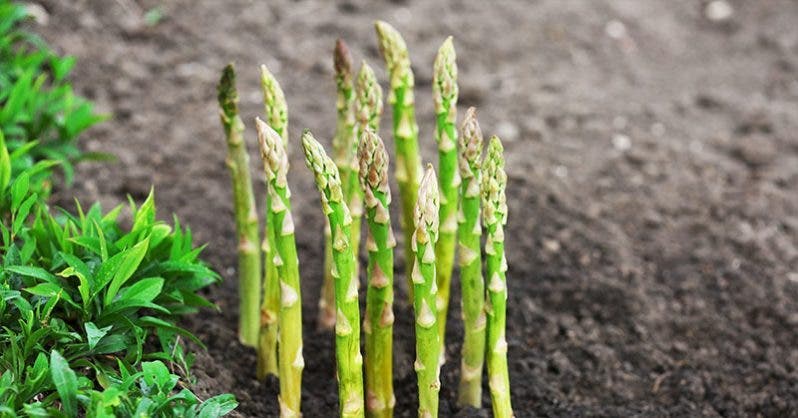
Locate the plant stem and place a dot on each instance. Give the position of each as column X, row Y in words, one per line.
column 428, row 343
column 368, row 109
column 343, row 143
column 276, row 112
column 469, row 233
column 347, row 322
column 249, row 262
column 494, row 216
column 405, row 130
column 378, row 325
column 444, row 92
column 281, row 236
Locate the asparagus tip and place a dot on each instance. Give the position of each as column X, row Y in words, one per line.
column 368, row 95
column 494, row 183
column 342, row 59
column 275, row 161
column 444, row 83
column 228, row 97
column 470, row 142
column 373, row 163
column 428, row 202
column 392, row 45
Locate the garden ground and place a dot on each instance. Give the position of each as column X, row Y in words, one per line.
column 652, row 157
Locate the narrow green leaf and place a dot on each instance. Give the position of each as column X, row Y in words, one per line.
column 19, row 189
column 144, row 290
column 5, row 164
column 94, row 334
column 130, row 262
column 65, row 382
column 35, row 272
column 218, row 406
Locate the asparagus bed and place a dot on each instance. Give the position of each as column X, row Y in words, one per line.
column 378, row 325
column 405, row 129
column 276, row 112
column 444, row 93
column 428, row 344
column 469, row 233
column 494, row 216
column 343, row 143
column 347, row 322
column 249, row 262
column 281, row 231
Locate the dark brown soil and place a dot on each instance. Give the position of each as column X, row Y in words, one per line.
column 653, row 163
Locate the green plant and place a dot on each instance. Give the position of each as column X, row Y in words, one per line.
column 96, row 293
column 378, row 324
column 249, row 258
column 40, row 115
column 437, row 216
column 368, row 110
column 343, row 144
column 88, row 307
column 281, row 235
column 469, row 234
column 444, row 93
column 276, row 111
column 347, row 321
column 494, row 216
column 428, row 342
column 405, row 129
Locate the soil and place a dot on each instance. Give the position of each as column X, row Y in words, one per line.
column 652, row 157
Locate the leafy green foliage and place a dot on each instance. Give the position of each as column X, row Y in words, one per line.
column 88, row 308
column 40, row 116
column 83, row 300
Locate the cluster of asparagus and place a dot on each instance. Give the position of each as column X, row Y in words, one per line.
column 438, row 214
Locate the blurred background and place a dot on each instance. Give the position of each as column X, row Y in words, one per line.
column 652, row 155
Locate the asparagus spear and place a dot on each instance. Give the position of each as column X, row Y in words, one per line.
column 249, row 274
column 347, row 321
column 428, row 344
column 378, row 324
column 494, row 217
column 276, row 112
column 343, row 143
column 368, row 109
column 405, row 129
column 444, row 92
column 469, row 233
column 281, row 235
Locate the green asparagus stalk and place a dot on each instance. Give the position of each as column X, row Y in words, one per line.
column 472, row 284
column 276, row 112
column 249, row 263
column 428, row 343
column 494, row 217
column 378, row 324
column 347, row 322
column 343, row 144
column 444, row 93
column 405, row 129
column 368, row 109
column 281, row 236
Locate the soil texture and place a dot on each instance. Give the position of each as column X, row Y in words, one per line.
column 652, row 159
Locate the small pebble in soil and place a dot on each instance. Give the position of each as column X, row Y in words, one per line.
column 561, row 171
column 615, row 29
column 718, row 11
column 621, row 142
column 551, row 245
